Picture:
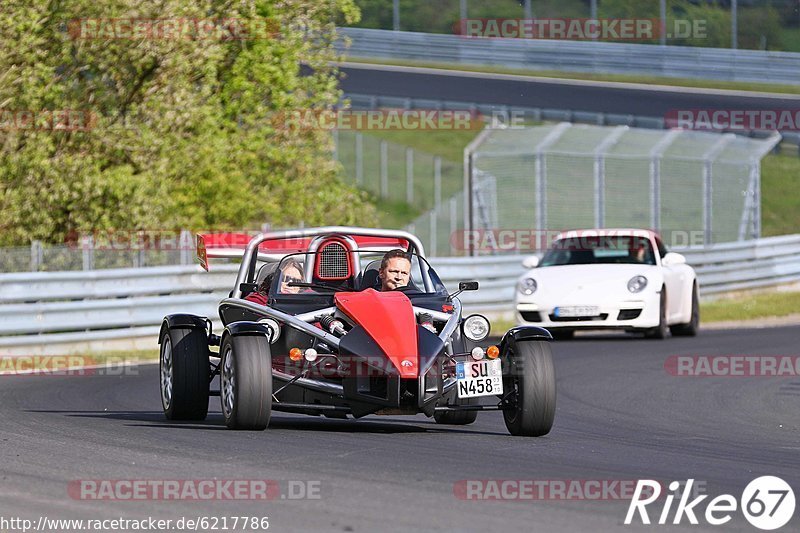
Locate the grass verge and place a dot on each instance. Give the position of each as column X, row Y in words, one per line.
column 751, row 306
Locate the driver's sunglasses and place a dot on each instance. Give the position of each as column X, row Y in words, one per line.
column 292, row 279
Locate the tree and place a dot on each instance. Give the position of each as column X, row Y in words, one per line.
column 179, row 132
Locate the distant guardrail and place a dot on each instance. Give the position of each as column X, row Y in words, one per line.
column 63, row 312
column 577, row 56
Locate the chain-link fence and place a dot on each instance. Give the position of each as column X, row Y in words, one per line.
column 695, row 188
column 396, row 173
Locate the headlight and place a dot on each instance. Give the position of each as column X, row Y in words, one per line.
column 476, row 327
column 527, row 286
column 637, row 283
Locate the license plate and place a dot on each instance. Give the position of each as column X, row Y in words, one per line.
column 479, row 378
column 576, row 311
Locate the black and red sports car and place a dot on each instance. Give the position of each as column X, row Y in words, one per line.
column 308, row 330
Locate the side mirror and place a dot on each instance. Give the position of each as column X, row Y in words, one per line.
column 468, row 286
column 672, row 259
column 532, row 261
column 464, row 286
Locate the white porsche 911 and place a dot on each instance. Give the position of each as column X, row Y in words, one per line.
column 609, row 278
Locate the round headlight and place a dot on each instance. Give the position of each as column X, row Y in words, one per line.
column 527, row 286
column 476, row 327
column 637, row 283
column 273, row 326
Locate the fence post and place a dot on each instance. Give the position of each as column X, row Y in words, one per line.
column 707, row 201
column 384, row 187
column 453, row 220
column 186, row 247
column 359, row 159
column 433, row 233
column 336, row 145
column 87, row 247
column 409, row 175
column 36, row 255
column 437, row 181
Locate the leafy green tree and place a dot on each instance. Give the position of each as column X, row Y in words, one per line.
column 182, row 131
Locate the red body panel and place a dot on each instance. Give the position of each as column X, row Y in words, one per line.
column 388, row 318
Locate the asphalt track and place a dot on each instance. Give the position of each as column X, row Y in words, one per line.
column 526, row 91
column 621, row 416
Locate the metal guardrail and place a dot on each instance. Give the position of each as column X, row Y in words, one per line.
column 62, row 312
column 577, row 56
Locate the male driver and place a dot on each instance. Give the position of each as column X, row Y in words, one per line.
column 395, row 270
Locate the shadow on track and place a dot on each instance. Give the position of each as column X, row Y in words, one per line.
column 155, row 419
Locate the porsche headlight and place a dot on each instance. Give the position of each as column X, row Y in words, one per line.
column 527, row 286
column 476, row 327
column 637, row 284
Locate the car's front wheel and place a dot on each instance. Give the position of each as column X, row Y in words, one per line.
column 184, row 373
column 529, row 383
column 246, row 382
column 660, row 331
column 690, row 328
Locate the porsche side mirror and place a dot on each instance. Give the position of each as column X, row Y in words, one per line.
column 532, row 261
column 672, row 259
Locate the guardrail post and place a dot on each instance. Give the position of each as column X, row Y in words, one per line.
column 359, row 159
column 409, row 175
column 37, row 255
column 384, row 190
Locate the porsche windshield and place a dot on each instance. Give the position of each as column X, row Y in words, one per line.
column 325, row 272
column 600, row 250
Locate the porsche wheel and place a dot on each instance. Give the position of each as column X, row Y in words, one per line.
column 184, row 373
column 690, row 328
column 660, row 331
column 531, row 381
column 246, row 382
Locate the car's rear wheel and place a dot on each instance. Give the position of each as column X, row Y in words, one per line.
column 690, row 328
column 660, row 331
column 246, row 382
column 185, row 373
column 530, row 384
